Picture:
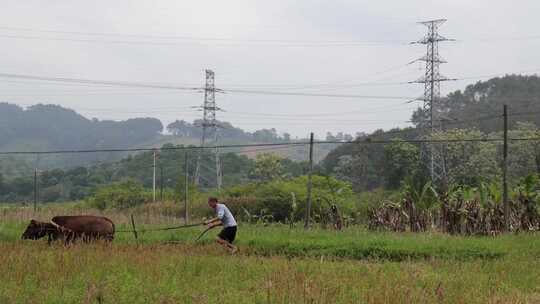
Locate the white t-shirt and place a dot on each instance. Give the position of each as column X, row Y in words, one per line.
column 225, row 215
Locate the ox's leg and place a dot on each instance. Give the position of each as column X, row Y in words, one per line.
column 108, row 238
column 68, row 238
column 89, row 237
column 51, row 237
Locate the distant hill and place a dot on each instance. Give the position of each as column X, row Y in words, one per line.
column 480, row 105
column 44, row 127
column 52, row 127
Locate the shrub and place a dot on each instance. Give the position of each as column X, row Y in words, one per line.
column 275, row 199
column 120, row 195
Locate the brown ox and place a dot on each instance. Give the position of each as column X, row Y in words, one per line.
column 70, row 228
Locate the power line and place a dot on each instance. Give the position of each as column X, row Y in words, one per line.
column 314, row 94
column 447, row 122
column 150, row 149
column 264, row 149
column 251, row 40
column 343, row 83
column 419, row 141
column 45, row 95
column 187, row 89
column 269, row 145
column 524, row 113
column 108, row 83
column 497, row 75
column 99, row 82
column 202, row 43
column 326, row 123
column 450, row 122
column 195, row 38
column 234, row 114
column 497, row 39
column 314, row 115
column 315, row 119
column 193, row 89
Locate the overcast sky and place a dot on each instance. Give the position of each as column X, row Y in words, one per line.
column 324, row 47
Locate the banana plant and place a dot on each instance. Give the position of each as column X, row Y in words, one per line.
column 425, row 197
column 529, row 195
column 529, row 187
column 419, row 202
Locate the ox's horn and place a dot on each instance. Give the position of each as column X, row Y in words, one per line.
column 55, row 224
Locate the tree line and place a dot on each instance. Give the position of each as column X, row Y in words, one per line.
column 182, row 128
column 475, row 113
column 81, row 182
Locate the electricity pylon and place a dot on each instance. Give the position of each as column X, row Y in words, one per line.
column 432, row 153
column 208, row 170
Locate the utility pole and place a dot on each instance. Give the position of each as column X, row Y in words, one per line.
column 35, row 188
column 154, row 178
column 505, row 171
column 432, row 152
column 160, row 182
column 206, row 174
column 186, row 172
column 309, row 185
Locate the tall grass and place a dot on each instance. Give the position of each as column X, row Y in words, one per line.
column 130, row 273
column 275, row 264
column 352, row 243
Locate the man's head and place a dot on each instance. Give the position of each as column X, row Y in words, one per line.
column 212, row 201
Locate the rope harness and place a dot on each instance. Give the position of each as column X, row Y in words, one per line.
column 205, row 231
column 64, row 229
column 163, row 229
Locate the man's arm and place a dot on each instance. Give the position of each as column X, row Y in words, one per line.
column 216, row 221
column 213, row 222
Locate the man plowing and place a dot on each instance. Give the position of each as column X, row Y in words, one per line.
column 223, row 217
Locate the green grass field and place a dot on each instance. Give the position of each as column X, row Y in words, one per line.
column 275, row 264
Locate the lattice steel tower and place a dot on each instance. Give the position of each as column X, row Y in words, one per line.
column 431, row 120
column 208, row 170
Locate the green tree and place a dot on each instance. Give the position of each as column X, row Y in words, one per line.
column 469, row 163
column 50, row 194
column 120, row 195
column 267, row 167
column 360, row 169
column 51, row 177
column 2, row 186
column 402, row 160
column 265, row 135
column 22, row 186
column 523, row 155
